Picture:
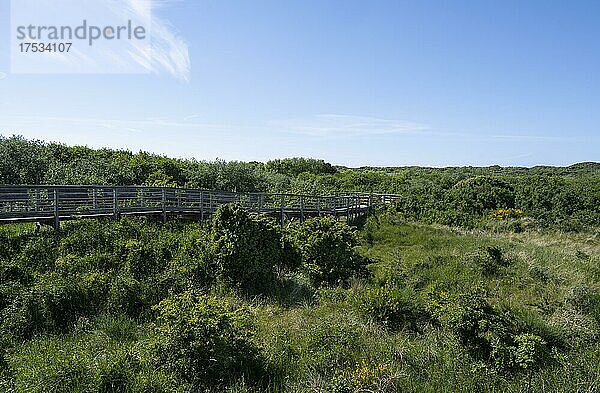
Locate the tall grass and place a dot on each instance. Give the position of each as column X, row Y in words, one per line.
column 442, row 310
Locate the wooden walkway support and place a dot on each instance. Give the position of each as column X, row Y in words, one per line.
column 53, row 204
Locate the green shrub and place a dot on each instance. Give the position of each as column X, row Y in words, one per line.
column 482, row 330
column 85, row 236
column 151, row 254
column 468, row 315
column 25, row 316
column 550, row 199
column 39, row 253
column 493, row 335
column 204, row 341
column 296, row 166
column 479, row 195
column 530, row 352
column 328, row 251
column 421, row 199
column 249, row 249
column 126, row 296
column 13, row 279
column 14, row 237
column 393, row 308
column 53, row 304
column 192, row 261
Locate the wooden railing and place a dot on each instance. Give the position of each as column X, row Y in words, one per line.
column 52, row 204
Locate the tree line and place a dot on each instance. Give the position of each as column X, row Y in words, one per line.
column 567, row 198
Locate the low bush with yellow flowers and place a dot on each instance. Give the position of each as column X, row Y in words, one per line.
column 505, row 214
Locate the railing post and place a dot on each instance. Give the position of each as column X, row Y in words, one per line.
column 164, row 205
column 282, row 206
column 56, row 210
column 37, row 200
column 115, row 204
column 201, row 206
column 142, row 198
column 319, row 206
column 94, row 199
column 347, row 203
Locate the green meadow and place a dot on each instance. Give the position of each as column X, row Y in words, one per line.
column 476, row 279
column 135, row 305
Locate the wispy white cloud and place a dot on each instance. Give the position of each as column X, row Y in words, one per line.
column 329, row 126
column 157, row 4
column 192, row 117
column 125, row 125
column 2, row 75
column 168, row 52
column 120, row 127
column 335, row 125
column 517, row 157
column 163, row 51
column 540, row 138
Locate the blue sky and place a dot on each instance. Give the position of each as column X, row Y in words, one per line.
column 353, row 82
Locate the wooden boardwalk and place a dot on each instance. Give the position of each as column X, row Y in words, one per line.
column 53, row 204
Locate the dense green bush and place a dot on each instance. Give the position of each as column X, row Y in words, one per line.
column 249, row 249
column 22, row 161
column 328, row 251
column 530, row 352
column 296, row 166
column 472, row 319
column 92, row 266
column 193, row 262
column 80, row 237
column 482, row 194
column 39, row 253
column 392, row 307
column 205, row 341
column 546, row 196
column 13, row 238
column 53, row 304
column 420, row 199
column 13, row 278
column 147, row 258
column 126, row 296
column 489, row 334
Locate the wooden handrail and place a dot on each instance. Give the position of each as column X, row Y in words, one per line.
column 58, row 202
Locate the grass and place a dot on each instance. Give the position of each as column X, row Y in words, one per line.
column 540, row 273
column 321, row 340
